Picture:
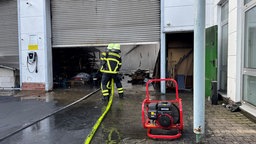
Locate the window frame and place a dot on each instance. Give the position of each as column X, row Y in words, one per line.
column 221, row 24
column 244, row 70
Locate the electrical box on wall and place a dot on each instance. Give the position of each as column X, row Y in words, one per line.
column 31, row 57
column 32, row 62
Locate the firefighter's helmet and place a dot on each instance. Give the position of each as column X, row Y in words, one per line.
column 114, row 47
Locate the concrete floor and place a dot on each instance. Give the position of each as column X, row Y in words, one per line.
column 123, row 124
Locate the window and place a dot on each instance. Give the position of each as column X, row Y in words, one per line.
column 249, row 60
column 250, row 39
column 249, row 89
column 246, row 1
column 224, row 12
column 224, row 47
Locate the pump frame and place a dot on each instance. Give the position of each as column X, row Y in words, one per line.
column 146, row 121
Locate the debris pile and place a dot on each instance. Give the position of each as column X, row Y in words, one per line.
column 139, row 77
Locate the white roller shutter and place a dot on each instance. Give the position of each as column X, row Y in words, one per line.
column 81, row 22
column 9, row 49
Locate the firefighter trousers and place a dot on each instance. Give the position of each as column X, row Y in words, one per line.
column 105, row 89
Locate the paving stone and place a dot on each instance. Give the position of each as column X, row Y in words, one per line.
column 221, row 125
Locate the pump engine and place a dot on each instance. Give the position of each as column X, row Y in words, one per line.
column 163, row 113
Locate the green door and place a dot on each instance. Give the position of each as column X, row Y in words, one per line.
column 210, row 58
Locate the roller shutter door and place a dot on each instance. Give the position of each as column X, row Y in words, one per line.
column 9, row 49
column 81, row 22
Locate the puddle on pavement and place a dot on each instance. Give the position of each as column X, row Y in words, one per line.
column 71, row 125
column 8, row 92
column 25, row 107
column 61, row 97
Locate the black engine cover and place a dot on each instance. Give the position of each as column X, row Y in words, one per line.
column 164, row 120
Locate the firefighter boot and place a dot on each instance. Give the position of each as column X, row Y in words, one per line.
column 105, row 98
column 121, row 95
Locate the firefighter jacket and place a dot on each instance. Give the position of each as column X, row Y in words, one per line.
column 110, row 62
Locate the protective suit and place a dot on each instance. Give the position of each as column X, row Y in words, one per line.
column 111, row 62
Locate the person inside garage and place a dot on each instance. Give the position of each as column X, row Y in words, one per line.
column 111, row 62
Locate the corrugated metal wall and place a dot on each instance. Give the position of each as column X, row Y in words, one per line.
column 81, row 22
column 9, row 49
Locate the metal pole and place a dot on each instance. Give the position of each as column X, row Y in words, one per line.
column 199, row 70
column 162, row 51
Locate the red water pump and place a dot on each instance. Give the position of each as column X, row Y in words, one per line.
column 163, row 115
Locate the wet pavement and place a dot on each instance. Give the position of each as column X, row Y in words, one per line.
column 69, row 126
column 26, row 107
column 123, row 123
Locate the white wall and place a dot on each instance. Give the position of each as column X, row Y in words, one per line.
column 179, row 15
column 7, row 78
column 34, row 18
column 234, row 51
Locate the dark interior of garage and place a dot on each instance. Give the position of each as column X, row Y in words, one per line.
column 73, row 67
column 179, row 48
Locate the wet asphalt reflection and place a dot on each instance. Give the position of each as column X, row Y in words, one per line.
column 70, row 126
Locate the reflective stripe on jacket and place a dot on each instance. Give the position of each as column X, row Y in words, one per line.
column 111, row 62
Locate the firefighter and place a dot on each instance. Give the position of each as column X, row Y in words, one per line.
column 111, row 62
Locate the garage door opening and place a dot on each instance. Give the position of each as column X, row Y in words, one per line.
column 180, row 58
column 75, row 67
column 138, row 61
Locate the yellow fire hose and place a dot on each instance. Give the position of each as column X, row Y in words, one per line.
column 97, row 124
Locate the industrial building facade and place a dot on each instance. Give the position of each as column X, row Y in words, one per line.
column 39, row 35
column 68, row 35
